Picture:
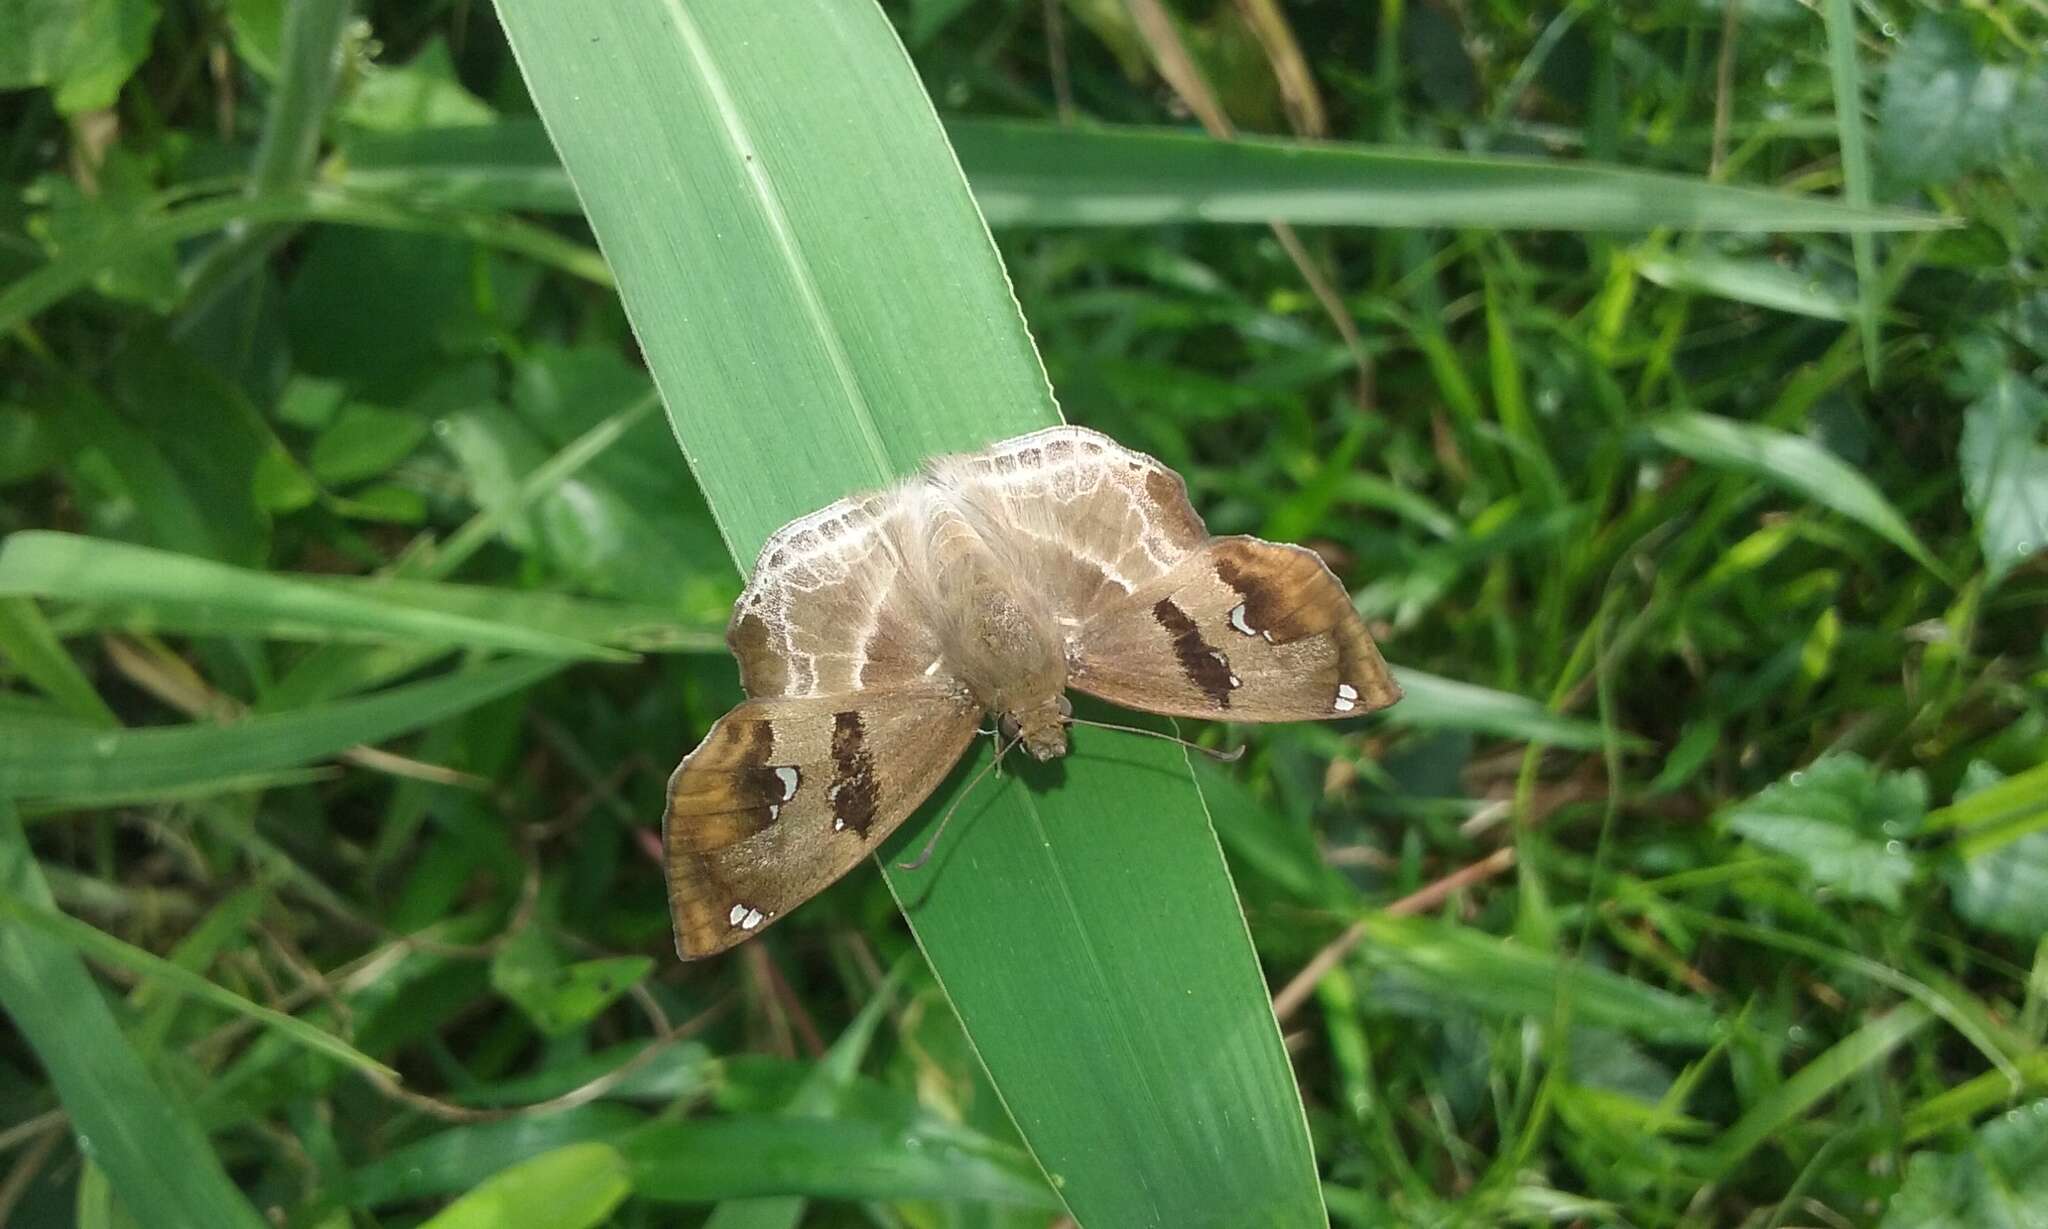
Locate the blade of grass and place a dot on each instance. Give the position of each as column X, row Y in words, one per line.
column 1759, row 283
column 91, row 941
column 1431, row 701
column 27, row 640
column 817, row 1097
column 1840, row 18
column 574, row 1187
column 165, row 591
column 1775, row 1110
column 1796, row 463
column 822, row 309
column 1032, row 174
column 75, row 270
column 59, row 764
column 151, row 1149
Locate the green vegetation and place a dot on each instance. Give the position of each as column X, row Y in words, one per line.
column 1670, row 385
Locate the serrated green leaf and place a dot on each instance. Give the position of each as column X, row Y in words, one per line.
column 1998, row 1181
column 2003, row 888
column 2005, row 472
column 1945, row 111
column 83, row 50
column 1845, row 821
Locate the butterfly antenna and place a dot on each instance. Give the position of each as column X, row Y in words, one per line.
column 1221, row 757
column 925, row 855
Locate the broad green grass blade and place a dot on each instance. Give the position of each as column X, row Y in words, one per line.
column 91, row 941
column 822, row 309
column 153, row 1152
column 60, row 764
column 1031, row 174
column 165, row 591
column 1796, row 463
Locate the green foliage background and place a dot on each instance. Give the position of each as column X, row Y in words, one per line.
column 1690, row 460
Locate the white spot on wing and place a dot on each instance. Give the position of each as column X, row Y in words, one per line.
column 1237, row 621
column 1347, row 698
column 790, row 778
column 738, row 912
column 752, row 919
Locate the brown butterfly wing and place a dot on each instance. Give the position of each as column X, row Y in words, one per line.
column 1083, row 518
column 786, row 795
column 827, row 612
column 1241, row 630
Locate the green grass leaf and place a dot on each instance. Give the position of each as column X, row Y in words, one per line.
column 745, row 1156
column 27, row 641
column 1500, row 977
column 822, row 310
column 1796, row 463
column 150, row 1146
column 91, row 941
column 61, row 764
column 1760, row 283
column 1824, row 1076
column 574, row 1187
column 1034, row 174
column 1431, row 702
column 161, row 591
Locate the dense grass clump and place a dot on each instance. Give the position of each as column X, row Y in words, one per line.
column 1669, row 385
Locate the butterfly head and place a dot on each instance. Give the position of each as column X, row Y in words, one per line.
column 1040, row 728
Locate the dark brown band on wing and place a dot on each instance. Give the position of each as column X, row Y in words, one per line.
column 726, row 791
column 1290, row 594
column 1205, row 667
column 854, row 793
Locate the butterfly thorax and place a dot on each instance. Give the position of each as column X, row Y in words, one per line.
column 1000, row 639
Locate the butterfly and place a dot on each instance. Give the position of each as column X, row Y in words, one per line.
column 876, row 632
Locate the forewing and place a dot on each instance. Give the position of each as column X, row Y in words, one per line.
column 827, row 611
column 785, row 795
column 1242, row 630
column 1087, row 520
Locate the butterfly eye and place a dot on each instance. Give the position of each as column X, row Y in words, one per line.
column 1008, row 726
column 1066, row 708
